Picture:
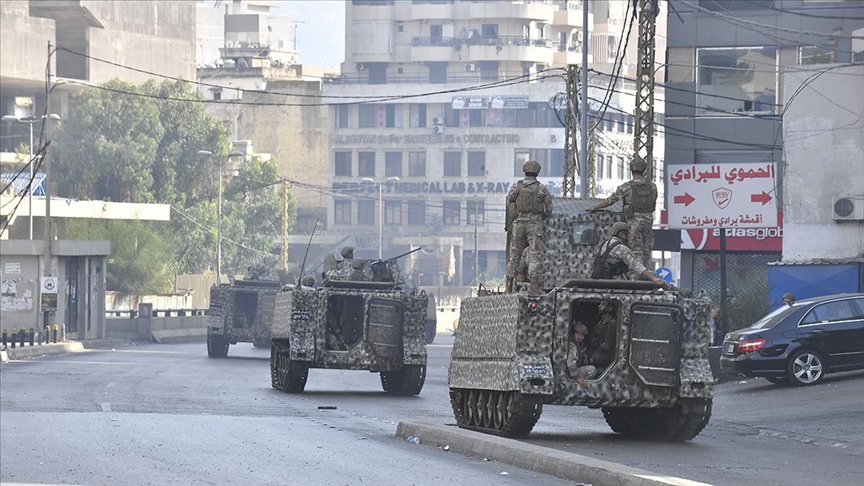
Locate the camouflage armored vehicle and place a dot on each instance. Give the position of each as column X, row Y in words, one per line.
column 431, row 319
column 366, row 319
column 510, row 356
column 241, row 312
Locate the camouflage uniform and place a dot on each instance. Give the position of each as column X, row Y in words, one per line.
column 531, row 202
column 577, row 359
column 622, row 254
column 641, row 236
column 603, row 340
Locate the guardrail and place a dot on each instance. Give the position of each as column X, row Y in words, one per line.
column 133, row 314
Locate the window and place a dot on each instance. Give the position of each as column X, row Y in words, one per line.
column 451, row 213
column 366, row 116
column 393, row 164
column 436, row 32
column 416, row 164
column 452, row 164
column 343, row 164
column 365, row 212
column 621, row 167
column 366, row 164
column 488, row 70
column 814, row 55
column 464, row 118
column 416, row 212
column 736, row 80
column 377, row 72
column 342, row 211
column 840, row 310
column 475, row 212
column 417, row 115
column 476, row 164
column 489, row 31
column 393, row 212
column 342, row 112
column 437, row 72
column 551, row 161
column 600, row 165
column 609, row 166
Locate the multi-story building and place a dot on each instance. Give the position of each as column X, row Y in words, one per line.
column 724, row 95
column 439, row 105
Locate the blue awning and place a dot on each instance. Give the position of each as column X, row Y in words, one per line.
column 19, row 182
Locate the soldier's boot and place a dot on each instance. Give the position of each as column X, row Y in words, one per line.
column 535, row 286
column 508, row 288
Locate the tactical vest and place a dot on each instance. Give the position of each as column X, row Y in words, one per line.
column 642, row 198
column 603, row 268
column 528, row 198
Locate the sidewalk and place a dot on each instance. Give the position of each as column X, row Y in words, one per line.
column 54, row 349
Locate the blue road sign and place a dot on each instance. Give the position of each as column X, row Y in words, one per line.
column 665, row 274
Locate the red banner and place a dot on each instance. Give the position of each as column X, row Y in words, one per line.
column 737, row 239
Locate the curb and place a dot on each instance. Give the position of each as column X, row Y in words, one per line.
column 42, row 350
column 536, row 458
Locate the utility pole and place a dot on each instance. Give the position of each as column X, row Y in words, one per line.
column 571, row 126
column 643, row 141
column 47, row 270
column 296, row 22
column 284, row 256
column 592, row 167
column 584, row 147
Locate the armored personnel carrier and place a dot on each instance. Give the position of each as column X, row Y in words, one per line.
column 240, row 312
column 365, row 319
column 510, row 355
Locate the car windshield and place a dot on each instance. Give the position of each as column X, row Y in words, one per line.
column 773, row 317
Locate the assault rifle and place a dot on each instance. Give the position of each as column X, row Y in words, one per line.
column 379, row 267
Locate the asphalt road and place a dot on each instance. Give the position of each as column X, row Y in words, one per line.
column 167, row 414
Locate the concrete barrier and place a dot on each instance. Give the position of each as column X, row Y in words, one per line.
column 175, row 336
column 544, row 460
column 52, row 349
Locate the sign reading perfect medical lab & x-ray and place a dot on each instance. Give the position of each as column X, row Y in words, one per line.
column 721, row 195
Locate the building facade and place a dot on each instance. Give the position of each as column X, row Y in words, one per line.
column 439, row 106
column 725, row 97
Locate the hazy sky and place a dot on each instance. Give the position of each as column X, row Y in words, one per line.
column 321, row 39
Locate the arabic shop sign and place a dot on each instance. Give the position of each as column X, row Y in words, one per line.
column 722, row 196
column 433, row 187
column 480, row 139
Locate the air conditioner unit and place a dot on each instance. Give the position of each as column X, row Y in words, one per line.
column 848, row 208
column 436, row 120
column 361, row 66
column 438, row 128
column 469, row 67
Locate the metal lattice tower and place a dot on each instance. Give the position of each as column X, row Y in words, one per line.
column 643, row 143
column 592, row 166
column 571, row 129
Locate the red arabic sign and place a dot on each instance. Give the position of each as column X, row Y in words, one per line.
column 737, row 239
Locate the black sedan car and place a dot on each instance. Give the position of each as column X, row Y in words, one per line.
column 799, row 344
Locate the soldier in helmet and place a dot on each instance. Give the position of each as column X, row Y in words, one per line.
column 788, row 298
column 577, row 355
column 360, row 272
column 640, row 198
column 528, row 204
column 605, row 333
column 615, row 260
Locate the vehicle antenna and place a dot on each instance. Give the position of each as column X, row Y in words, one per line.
column 303, row 265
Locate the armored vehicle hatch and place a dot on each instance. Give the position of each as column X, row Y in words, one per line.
column 241, row 312
column 352, row 325
column 515, row 353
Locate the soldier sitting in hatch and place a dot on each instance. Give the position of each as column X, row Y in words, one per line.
column 615, row 260
column 603, row 337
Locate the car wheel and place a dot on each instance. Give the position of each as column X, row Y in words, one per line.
column 778, row 380
column 805, row 368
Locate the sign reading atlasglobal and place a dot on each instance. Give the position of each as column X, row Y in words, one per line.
column 737, row 239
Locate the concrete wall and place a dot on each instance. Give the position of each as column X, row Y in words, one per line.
column 161, row 329
column 824, row 140
column 23, row 42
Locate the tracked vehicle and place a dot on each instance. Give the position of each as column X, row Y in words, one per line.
column 376, row 325
column 240, row 312
column 509, row 358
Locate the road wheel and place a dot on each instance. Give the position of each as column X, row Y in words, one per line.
column 405, row 382
column 681, row 422
column 498, row 408
column 217, row 346
column 488, row 408
column 805, row 368
column 778, row 380
column 296, row 376
column 469, row 407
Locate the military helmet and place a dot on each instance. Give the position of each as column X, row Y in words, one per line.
column 620, row 226
column 580, row 327
column 531, row 167
column 347, row 252
column 638, row 165
column 358, row 264
column 788, row 296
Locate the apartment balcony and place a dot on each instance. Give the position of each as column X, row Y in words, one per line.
column 542, row 10
column 571, row 16
column 566, row 54
column 504, row 49
column 435, row 49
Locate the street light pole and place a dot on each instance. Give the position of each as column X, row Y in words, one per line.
column 208, row 153
column 29, row 121
column 381, row 212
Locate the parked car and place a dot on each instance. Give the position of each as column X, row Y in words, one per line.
column 800, row 343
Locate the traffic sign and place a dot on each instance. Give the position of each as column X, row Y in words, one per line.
column 722, row 195
column 665, row 274
column 49, row 285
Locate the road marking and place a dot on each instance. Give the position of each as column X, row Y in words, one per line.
column 106, row 407
column 439, row 345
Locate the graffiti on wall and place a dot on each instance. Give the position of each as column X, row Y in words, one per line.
column 15, row 295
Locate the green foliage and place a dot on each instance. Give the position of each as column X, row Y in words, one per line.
column 140, row 254
column 750, row 302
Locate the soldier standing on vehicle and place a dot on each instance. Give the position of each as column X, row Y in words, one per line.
column 640, row 198
column 603, row 342
column 615, row 260
column 528, row 204
column 577, row 355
